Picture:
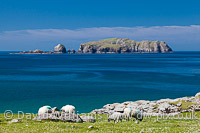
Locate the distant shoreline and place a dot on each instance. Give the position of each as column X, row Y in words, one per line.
column 96, row 53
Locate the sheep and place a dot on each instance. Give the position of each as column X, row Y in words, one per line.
column 44, row 110
column 116, row 116
column 135, row 113
column 68, row 109
column 127, row 113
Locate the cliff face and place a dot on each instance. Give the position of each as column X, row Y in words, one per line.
column 124, row 45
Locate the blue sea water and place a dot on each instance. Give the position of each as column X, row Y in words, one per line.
column 89, row 81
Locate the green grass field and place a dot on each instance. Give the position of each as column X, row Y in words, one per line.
column 147, row 125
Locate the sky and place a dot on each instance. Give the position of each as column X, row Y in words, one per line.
column 41, row 24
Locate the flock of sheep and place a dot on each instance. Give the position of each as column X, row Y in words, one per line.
column 116, row 116
column 127, row 114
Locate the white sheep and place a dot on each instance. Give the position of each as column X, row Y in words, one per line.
column 68, row 109
column 116, row 116
column 132, row 112
column 43, row 110
column 127, row 113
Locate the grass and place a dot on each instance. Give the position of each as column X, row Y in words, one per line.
column 147, row 125
column 110, row 46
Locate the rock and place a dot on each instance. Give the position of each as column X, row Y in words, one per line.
column 37, row 118
column 88, row 118
column 73, row 51
column 38, row 51
column 45, row 116
column 159, row 107
column 15, row 121
column 59, row 49
column 70, row 117
column 124, row 45
column 90, row 127
column 163, row 101
column 183, row 111
column 52, row 116
column 120, row 106
column 68, row 51
column 197, row 97
column 136, row 122
column 121, row 110
column 197, row 109
column 198, row 94
column 164, row 107
column 179, row 104
column 109, row 106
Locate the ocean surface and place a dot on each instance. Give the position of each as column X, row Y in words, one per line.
column 89, row 81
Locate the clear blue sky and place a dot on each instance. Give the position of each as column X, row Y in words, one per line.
column 17, row 15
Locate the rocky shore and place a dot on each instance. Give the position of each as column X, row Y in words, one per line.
column 154, row 108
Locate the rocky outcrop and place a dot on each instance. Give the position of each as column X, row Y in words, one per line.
column 37, row 51
column 88, row 118
column 63, row 116
column 60, row 49
column 15, row 121
column 159, row 107
column 124, row 45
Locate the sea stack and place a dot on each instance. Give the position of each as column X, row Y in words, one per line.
column 59, row 49
column 124, row 45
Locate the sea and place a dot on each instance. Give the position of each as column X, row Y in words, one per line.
column 89, row 81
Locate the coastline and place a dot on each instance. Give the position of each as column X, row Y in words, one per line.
column 155, row 108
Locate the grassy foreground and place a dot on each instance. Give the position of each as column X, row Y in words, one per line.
column 152, row 124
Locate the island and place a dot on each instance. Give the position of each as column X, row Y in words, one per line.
column 58, row 49
column 111, row 45
column 124, row 45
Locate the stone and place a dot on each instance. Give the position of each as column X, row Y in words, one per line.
column 141, row 102
column 197, row 109
column 136, row 122
column 60, row 49
column 45, row 116
column 164, row 101
column 109, row 106
column 197, row 97
column 121, row 110
column 198, row 94
column 73, row 51
column 15, row 121
column 70, row 117
column 179, row 104
column 38, row 51
column 120, row 106
column 88, row 118
column 90, row 127
column 164, row 107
